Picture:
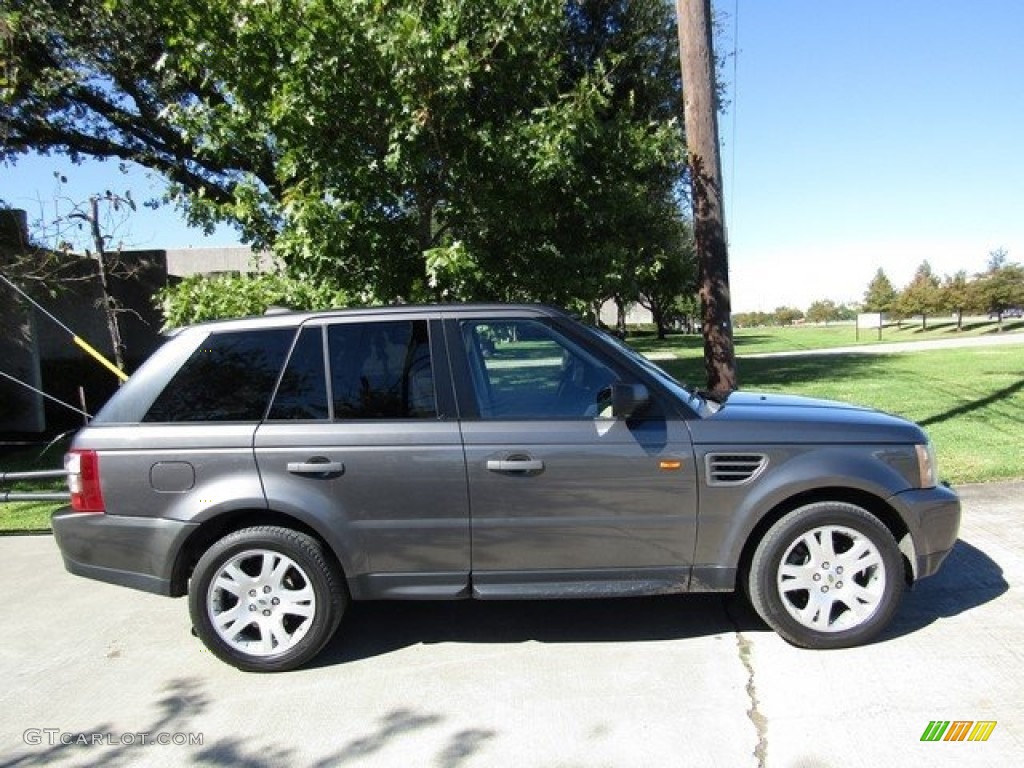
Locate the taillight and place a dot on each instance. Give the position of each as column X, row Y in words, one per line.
column 83, row 469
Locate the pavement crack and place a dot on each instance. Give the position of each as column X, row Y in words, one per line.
column 760, row 722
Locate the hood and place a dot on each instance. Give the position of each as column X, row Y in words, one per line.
column 754, row 417
column 771, row 400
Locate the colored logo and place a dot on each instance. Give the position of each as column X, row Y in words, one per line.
column 958, row 730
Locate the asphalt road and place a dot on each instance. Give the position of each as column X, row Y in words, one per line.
column 91, row 673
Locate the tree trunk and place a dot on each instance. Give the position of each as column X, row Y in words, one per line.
column 109, row 304
column 659, row 321
column 700, row 118
column 620, row 317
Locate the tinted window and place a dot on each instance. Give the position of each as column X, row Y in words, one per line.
column 302, row 393
column 524, row 369
column 381, row 370
column 228, row 378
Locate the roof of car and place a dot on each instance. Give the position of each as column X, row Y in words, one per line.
column 287, row 318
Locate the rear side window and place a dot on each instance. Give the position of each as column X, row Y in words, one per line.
column 381, row 370
column 230, row 377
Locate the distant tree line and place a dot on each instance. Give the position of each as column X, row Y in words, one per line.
column 821, row 311
column 997, row 292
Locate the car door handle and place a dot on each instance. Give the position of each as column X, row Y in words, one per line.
column 317, row 466
column 515, row 465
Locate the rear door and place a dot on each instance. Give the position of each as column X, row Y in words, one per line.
column 566, row 499
column 362, row 440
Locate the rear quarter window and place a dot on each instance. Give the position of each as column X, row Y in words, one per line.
column 229, row 377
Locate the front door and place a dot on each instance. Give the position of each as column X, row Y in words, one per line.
column 564, row 498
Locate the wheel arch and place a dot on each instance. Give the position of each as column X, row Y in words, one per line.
column 216, row 528
column 869, row 502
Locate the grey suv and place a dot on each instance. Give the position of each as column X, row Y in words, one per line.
column 275, row 468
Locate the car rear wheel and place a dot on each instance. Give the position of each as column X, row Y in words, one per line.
column 828, row 575
column 266, row 599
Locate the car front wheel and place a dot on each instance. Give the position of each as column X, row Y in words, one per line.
column 266, row 599
column 828, row 575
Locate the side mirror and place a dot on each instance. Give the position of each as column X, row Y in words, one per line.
column 628, row 399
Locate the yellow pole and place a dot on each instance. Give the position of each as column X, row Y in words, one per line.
column 113, row 368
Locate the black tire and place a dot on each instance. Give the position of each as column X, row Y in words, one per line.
column 842, row 571
column 278, row 600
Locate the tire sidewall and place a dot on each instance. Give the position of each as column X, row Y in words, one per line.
column 323, row 578
column 763, row 587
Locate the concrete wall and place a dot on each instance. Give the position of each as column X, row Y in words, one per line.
column 182, row 262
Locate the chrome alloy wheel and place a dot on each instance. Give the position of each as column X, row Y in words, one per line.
column 831, row 578
column 261, row 602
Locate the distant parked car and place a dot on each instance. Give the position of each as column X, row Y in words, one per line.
column 275, row 468
column 1009, row 312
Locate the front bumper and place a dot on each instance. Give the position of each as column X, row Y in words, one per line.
column 136, row 552
column 932, row 516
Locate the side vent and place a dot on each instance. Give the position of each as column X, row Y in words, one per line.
column 726, row 469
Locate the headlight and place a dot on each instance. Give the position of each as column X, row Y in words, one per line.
column 926, row 468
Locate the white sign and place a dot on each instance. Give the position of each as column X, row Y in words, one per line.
column 869, row 320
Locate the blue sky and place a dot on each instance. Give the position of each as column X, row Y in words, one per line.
column 870, row 134
column 860, row 135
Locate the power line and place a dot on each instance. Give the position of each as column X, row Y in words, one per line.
column 48, row 397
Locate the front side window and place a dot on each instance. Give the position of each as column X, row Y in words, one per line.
column 525, row 369
column 381, row 370
column 230, row 377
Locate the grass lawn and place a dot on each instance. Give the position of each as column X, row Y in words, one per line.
column 971, row 401
column 31, row 515
column 751, row 341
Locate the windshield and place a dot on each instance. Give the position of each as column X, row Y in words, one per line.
column 684, row 392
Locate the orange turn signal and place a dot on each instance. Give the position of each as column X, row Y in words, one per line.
column 670, row 464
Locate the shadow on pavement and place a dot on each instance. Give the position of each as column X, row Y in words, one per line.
column 373, row 628
column 968, row 579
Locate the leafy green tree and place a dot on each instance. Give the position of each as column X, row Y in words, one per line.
column 881, row 295
column 922, row 295
column 666, row 279
column 788, row 315
column 402, row 149
column 823, row 311
column 1000, row 288
column 957, row 296
column 198, row 298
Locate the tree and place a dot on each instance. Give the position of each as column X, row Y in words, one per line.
column 823, row 311
column 409, row 149
column 957, row 296
column 666, row 277
column 79, row 244
column 788, row 315
column 1000, row 288
column 922, row 295
column 880, row 295
column 198, row 298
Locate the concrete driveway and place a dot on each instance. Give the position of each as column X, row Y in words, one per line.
column 94, row 674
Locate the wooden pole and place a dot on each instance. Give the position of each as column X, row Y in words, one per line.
column 701, row 120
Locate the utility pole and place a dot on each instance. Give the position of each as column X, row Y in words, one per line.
column 701, row 120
